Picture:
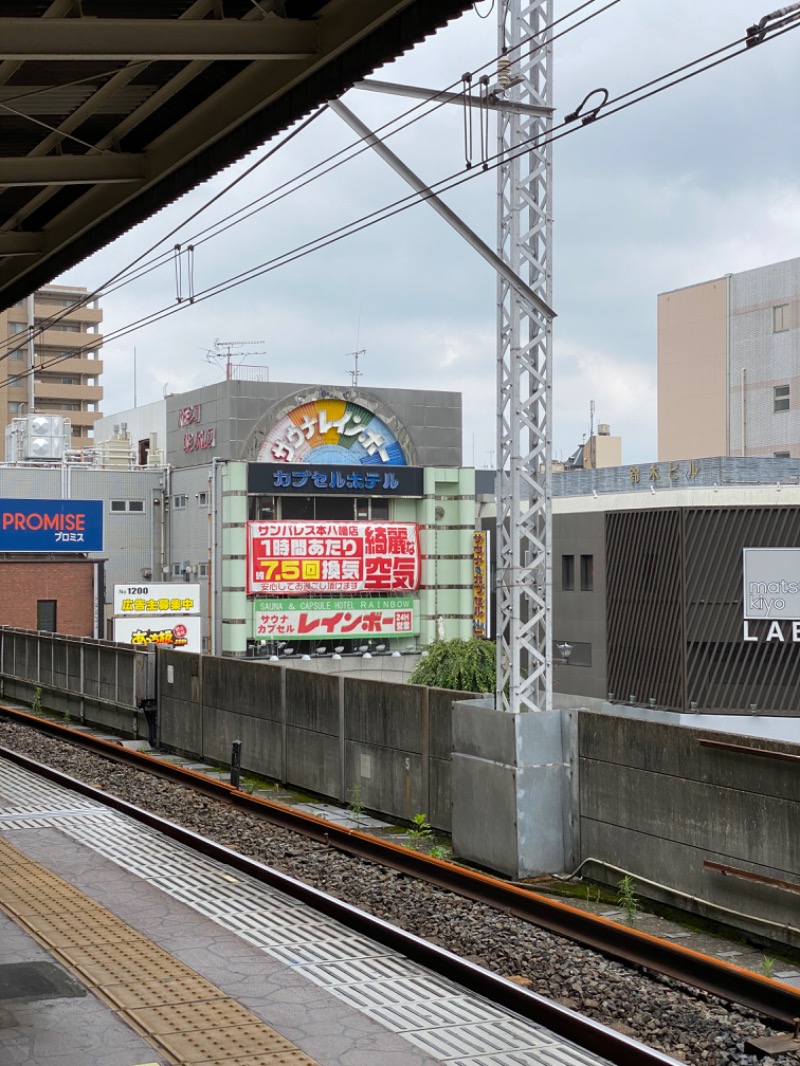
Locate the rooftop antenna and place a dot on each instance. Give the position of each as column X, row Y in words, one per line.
column 355, row 373
column 226, row 351
column 592, row 441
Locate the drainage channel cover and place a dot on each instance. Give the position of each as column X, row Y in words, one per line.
column 36, row 980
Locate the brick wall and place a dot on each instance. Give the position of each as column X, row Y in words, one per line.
column 70, row 582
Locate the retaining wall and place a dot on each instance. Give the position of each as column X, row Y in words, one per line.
column 657, row 802
column 93, row 681
column 325, row 733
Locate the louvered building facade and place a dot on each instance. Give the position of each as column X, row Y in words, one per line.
column 649, row 595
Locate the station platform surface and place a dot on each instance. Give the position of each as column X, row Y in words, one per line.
column 123, row 948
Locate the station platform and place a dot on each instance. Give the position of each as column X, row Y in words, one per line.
column 123, row 948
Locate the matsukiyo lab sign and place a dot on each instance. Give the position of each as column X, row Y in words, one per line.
column 51, row 525
column 321, row 619
column 771, row 592
column 297, row 558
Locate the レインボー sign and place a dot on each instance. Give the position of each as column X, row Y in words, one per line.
column 297, row 558
column 321, row 619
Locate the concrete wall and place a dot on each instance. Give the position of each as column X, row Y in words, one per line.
column 327, row 733
column 90, row 680
column 657, row 803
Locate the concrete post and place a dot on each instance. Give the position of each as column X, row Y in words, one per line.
column 512, row 809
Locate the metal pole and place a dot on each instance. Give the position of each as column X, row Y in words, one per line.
column 524, row 570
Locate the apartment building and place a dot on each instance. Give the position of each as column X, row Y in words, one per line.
column 66, row 360
column 729, row 366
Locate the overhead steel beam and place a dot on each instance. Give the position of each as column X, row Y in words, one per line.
column 155, row 39
column 21, row 243
column 419, row 186
column 415, row 92
column 73, row 169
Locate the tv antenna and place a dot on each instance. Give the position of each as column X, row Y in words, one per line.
column 226, row 352
column 355, row 373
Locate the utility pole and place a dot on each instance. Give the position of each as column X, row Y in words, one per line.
column 524, row 565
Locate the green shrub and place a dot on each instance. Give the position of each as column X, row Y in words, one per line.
column 465, row 665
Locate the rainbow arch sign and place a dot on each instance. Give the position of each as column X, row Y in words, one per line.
column 337, row 432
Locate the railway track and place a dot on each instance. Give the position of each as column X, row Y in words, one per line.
column 770, row 999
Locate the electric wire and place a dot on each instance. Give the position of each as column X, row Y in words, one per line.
column 395, row 208
column 401, row 205
column 357, row 146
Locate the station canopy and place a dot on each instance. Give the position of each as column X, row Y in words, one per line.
column 110, row 109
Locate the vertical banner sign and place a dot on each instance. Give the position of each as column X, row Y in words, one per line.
column 480, row 584
column 299, row 558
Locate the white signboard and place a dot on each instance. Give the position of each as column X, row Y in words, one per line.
column 771, row 583
column 155, row 600
column 181, row 632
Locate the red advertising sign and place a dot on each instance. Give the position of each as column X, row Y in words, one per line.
column 316, row 557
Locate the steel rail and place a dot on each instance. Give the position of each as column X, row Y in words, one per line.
column 773, row 999
column 590, row 1035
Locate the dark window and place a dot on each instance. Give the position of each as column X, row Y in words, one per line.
column 46, row 615
column 580, row 653
column 782, row 455
column 380, row 509
column 587, row 573
column 333, row 508
column 297, row 507
column 568, row 572
column 780, row 400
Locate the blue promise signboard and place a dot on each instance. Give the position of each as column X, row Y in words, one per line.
column 51, row 525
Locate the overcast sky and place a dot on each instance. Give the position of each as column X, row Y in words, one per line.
column 697, row 182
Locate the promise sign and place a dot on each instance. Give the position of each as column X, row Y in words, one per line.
column 298, row 558
column 51, row 525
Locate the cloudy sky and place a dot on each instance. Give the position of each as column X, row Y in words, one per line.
column 699, row 181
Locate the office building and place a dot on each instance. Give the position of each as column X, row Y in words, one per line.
column 729, row 366
column 66, row 358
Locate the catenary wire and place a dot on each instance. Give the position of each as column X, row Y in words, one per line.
column 356, row 146
column 401, row 205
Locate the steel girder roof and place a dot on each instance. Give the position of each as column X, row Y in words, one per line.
column 110, row 110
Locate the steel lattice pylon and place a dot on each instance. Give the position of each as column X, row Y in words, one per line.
column 524, row 571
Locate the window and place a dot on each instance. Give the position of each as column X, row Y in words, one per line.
column 380, row 509
column 16, row 379
column 70, row 381
column 580, row 653
column 202, row 569
column 202, row 499
column 46, row 615
column 567, row 572
column 587, row 573
column 780, row 318
column 17, row 327
column 782, row 455
column 179, row 502
column 780, row 398
column 177, row 570
column 126, row 506
column 16, row 407
column 17, row 354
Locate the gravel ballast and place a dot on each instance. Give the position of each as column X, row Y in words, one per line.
column 690, row 1026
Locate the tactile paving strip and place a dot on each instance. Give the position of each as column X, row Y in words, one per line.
column 366, row 976
column 186, row 1017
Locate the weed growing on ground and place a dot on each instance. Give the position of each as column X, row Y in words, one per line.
column 627, row 898
column 355, row 806
column 767, row 966
column 36, row 703
column 421, row 831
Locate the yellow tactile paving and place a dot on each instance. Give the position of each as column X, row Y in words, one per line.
column 188, row 1019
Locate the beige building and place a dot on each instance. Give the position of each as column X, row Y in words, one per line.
column 66, row 356
column 729, row 366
